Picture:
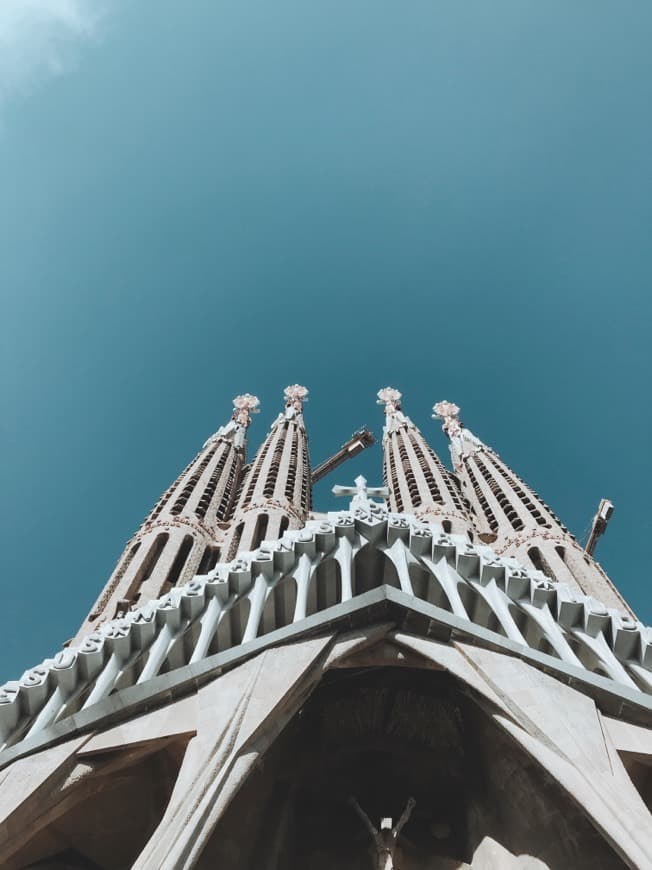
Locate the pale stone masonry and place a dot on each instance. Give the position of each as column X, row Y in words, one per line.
column 276, row 491
column 515, row 520
column 181, row 535
column 417, row 479
column 399, row 684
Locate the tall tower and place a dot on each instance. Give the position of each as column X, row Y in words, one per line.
column 180, row 537
column 418, row 481
column 276, row 491
column 515, row 520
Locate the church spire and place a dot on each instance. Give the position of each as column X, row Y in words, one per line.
column 515, row 520
column 276, row 492
column 180, row 536
column 418, row 481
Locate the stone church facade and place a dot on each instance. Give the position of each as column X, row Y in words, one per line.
column 437, row 675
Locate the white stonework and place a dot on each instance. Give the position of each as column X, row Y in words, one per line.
column 283, row 582
column 228, row 725
column 515, row 520
column 369, row 687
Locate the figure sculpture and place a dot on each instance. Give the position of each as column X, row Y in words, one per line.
column 385, row 839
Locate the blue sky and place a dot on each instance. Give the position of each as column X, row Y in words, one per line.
column 200, row 199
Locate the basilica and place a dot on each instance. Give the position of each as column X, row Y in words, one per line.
column 435, row 675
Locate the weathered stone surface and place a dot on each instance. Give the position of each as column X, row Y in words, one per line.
column 252, row 701
column 355, row 642
column 491, row 855
column 177, row 719
column 629, row 738
column 556, row 713
column 28, row 779
column 619, row 815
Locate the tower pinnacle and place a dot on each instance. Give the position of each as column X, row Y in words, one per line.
column 244, row 406
column 514, row 519
column 390, row 398
column 418, row 481
column 394, row 416
column 276, row 493
column 236, row 429
column 181, row 535
column 295, row 395
column 449, row 413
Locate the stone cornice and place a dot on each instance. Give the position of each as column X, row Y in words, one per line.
column 517, row 603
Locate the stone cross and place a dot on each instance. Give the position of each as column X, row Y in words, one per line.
column 361, row 492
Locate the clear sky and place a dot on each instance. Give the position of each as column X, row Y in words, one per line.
column 453, row 197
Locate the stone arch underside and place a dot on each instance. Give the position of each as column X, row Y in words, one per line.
column 108, row 806
column 283, row 740
column 383, row 734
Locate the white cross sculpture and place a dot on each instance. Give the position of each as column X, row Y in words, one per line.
column 361, row 492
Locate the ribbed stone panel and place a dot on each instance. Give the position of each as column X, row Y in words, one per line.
column 276, row 493
column 417, row 480
column 308, row 571
column 516, row 521
column 294, row 750
column 179, row 536
column 404, row 683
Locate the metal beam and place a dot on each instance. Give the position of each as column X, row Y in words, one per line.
column 360, row 440
column 599, row 524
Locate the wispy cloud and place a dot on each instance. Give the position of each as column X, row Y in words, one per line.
column 40, row 39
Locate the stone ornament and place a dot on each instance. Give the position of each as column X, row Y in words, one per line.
column 579, row 630
column 391, row 399
column 244, row 406
column 295, row 395
column 449, row 413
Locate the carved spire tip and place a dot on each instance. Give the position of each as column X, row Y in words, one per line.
column 295, row 395
column 448, row 412
column 390, row 398
column 244, row 406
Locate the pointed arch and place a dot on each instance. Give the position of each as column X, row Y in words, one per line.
column 231, row 626
column 325, row 586
column 540, row 562
column 373, row 568
column 148, row 563
column 280, row 605
column 178, row 564
column 260, row 530
column 479, row 610
column 426, row 587
column 284, row 526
